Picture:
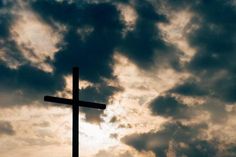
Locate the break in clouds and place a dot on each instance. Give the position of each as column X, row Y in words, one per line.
column 88, row 34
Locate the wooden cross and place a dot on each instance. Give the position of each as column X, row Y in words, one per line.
column 75, row 102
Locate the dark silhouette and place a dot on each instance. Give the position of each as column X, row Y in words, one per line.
column 75, row 102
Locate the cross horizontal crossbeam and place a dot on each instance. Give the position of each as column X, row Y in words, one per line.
column 70, row 102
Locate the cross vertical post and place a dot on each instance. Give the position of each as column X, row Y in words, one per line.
column 75, row 115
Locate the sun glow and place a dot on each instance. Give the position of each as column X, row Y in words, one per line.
column 95, row 137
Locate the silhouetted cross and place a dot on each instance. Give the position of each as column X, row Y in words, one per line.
column 75, row 102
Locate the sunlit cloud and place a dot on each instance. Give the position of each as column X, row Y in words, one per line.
column 10, row 61
column 176, row 31
column 129, row 16
column 67, row 91
column 47, row 128
column 37, row 41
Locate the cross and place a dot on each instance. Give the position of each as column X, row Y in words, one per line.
column 75, row 102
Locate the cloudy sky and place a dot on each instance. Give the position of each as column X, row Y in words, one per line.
column 166, row 70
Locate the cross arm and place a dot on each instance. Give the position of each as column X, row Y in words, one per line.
column 92, row 105
column 70, row 102
column 58, row 100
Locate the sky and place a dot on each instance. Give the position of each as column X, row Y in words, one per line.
column 166, row 70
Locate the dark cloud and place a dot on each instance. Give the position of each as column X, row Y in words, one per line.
column 214, row 40
column 93, row 32
column 115, row 136
column 145, row 45
column 169, row 106
column 92, row 115
column 213, row 36
column 6, row 128
column 230, row 150
column 94, row 54
column 100, row 93
column 217, row 111
column 26, row 84
column 114, row 119
column 213, row 70
column 190, row 88
column 6, row 19
column 125, row 126
column 185, row 139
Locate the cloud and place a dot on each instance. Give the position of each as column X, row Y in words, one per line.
column 128, row 16
column 169, row 106
column 212, row 79
column 26, row 84
column 100, row 93
column 43, row 124
column 115, row 136
column 103, row 153
column 214, row 39
column 230, row 151
column 6, row 128
column 92, row 32
column 190, row 88
column 144, row 45
column 20, row 82
column 114, row 119
column 116, row 152
column 93, row 52
column 185, row 138
column 9, row 52
column 20, row 73
column 212, row 64
column 195, row 105
column 36, row 40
